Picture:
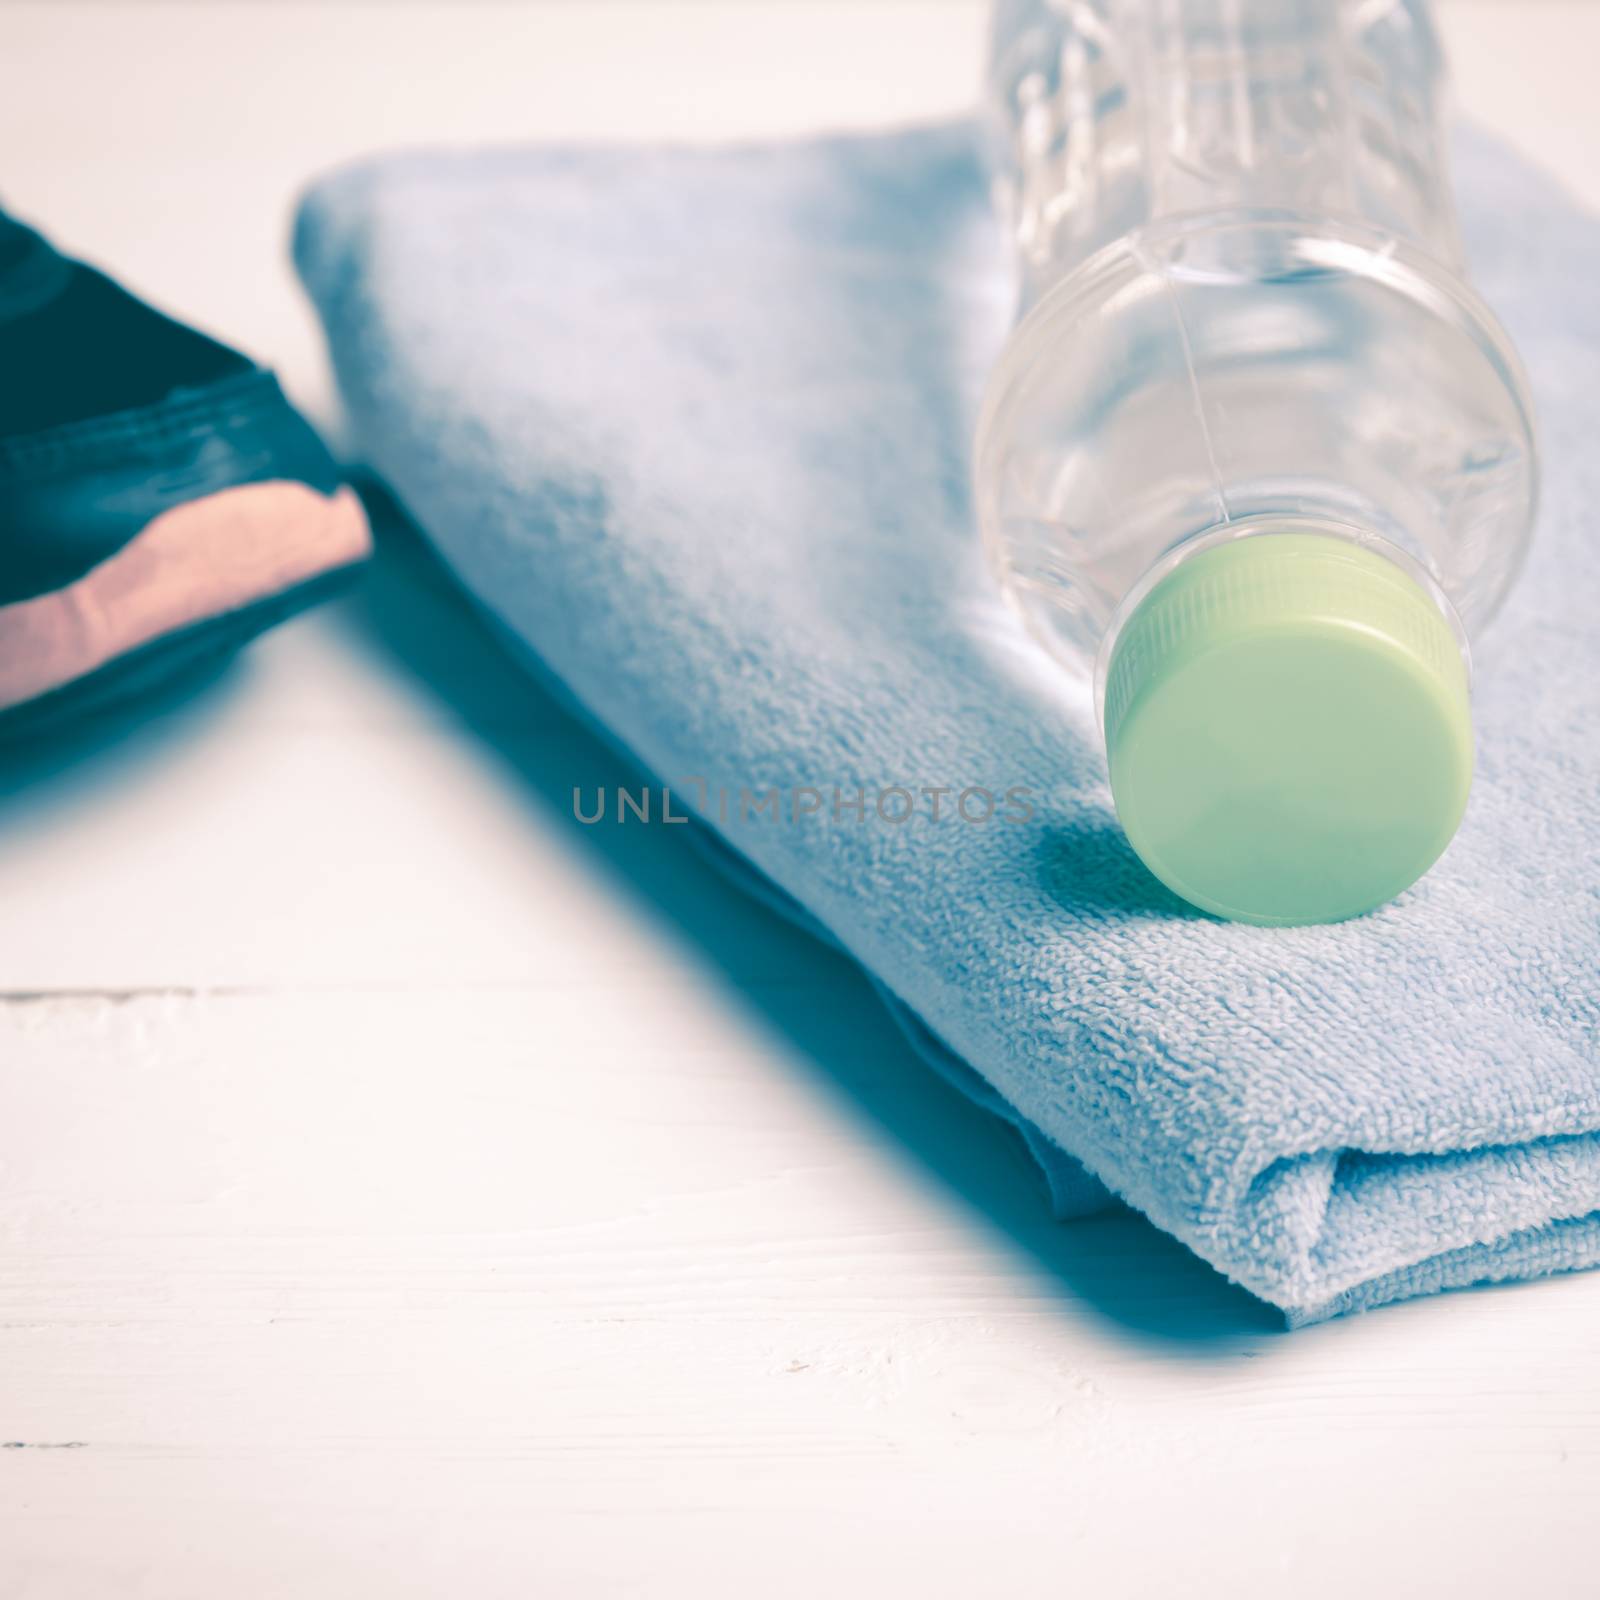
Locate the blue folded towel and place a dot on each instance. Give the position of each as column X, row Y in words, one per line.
column 694, row 426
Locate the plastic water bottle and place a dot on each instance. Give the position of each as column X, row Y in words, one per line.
column 1256, row 458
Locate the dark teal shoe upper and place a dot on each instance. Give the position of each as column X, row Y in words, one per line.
column 111, row 413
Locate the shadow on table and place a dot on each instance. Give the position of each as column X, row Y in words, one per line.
column 1127, row 1270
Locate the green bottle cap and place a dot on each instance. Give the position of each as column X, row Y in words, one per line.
column 1288, row 730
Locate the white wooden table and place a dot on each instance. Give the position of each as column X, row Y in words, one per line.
column 406, row 1192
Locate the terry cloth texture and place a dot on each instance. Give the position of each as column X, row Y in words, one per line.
column 694, row 426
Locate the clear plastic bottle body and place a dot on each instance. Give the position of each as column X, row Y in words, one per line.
column 1242, row 307
column 1114, row 113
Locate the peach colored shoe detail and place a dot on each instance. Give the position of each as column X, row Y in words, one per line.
column 200, row 560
